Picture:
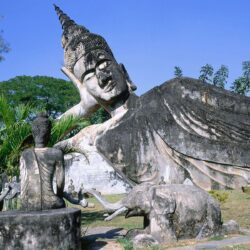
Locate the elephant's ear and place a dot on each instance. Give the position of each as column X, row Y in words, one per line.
column 163, row 202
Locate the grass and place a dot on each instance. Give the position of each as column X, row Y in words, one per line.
column 240, row 247
column 126, row 244
column 217, row 237
column 236, row 208
column 94, row 217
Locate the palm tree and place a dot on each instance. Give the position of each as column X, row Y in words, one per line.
column 15, row 133
column 65, row 128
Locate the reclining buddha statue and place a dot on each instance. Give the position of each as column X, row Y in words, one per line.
column 184, row 130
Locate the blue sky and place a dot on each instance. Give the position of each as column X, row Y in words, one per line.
column 149, row 36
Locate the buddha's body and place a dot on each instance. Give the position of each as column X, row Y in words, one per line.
column 36, row 180
column 181, row 129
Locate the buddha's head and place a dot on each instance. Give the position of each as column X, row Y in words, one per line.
column 90, row 59
column 41, row 128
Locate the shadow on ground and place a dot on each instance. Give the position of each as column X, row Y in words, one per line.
column 97, row 238
column 90, row 245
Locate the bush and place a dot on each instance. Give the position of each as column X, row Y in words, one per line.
column 126, row 244
column 220, row 196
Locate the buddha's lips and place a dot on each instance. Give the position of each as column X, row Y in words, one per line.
column 110, row 85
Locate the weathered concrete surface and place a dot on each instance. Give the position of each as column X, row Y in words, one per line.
column 38, row 166
column 98, row 174
column 176, row 211
column 40, row 230
column 231, row 227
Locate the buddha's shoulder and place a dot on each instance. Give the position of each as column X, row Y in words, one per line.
column 27, row 152
column 186, row 86
column 45, row 150
column 51, row 152
column 178, row 84
column 185, row 89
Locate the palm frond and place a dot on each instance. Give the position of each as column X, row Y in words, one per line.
column 6, row 112
column 22, row 111
column 62, row 129
column 14, row 143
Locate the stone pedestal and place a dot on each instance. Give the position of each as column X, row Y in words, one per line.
column 48, row 229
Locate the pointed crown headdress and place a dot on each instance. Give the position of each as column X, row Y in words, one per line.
column 77, row 41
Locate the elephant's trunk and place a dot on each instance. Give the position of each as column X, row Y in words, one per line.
column 5, row 192
column 111, row 207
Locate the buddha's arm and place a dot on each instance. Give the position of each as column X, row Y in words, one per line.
column 77, row 111
column 60, row 177
column 88, row 103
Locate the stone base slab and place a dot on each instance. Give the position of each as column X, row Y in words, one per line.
column 40, row 230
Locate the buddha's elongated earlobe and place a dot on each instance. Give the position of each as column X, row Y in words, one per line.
column 132, row 87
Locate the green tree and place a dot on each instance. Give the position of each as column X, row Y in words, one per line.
column 220, row 76
column 177, row 71
column 52, row 94
column 47, row 93
column 65, row 128
column 246, row 69
column 206, row 73
column 100, row 116
column 4, row 46
column 242, row 84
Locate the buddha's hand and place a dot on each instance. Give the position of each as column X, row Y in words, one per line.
column 65, row 145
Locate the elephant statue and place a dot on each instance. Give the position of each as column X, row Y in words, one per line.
column 8, row 194
column 171, row 212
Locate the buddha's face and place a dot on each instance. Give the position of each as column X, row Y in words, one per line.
column 102, row 75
